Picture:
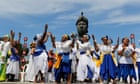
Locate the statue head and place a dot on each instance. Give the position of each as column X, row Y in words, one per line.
column 82, row 25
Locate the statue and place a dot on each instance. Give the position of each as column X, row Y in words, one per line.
column 82, row 25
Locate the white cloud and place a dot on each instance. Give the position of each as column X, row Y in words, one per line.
column 49, row 7
column 32, row 7
column 53, row 6
column 115, row 13
column 130, row 19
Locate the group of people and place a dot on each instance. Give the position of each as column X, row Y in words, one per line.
column 75, row 59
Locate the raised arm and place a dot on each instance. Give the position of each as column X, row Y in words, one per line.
column 94, row 43
column 133, row 51
column 53, row 40
column 73, row 36
column 19, row 37
column 45, row 36
column 12, row 33
column 116, row 46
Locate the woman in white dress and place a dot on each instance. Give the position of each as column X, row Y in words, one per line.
column 63, row 70
column 85, row 63
column 108, row 66
column 30, row 67
column 40, row 55
column 4, row 47
column 126, row 53
column 12, row 70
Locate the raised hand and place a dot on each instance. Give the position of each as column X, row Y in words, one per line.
column 19, row 34
column 53, row 37
column 46, row 27
column 49, row 33
column 73, row 36
column 12, row 33
column 118, row 40
column 53, row 40
column 93, row 37
column 19, row 37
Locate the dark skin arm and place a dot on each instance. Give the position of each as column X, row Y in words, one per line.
column 121, row 51
column 19, row 37
column 95, row 44
column 45, row 36
column 73, row 36
column 72, row 44
column 114, row 49
column 12, row 33
column 134, row 52
column 53, row 40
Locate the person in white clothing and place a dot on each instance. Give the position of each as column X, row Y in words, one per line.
column 85, row 64
column 40, row 55
column 29, row 76
column 63, row 48
column 12, row 71
column 137, row 66
column 126, row 53
column 108, row 62
column 4, row 47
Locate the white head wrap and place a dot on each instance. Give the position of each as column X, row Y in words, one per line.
column 38, row 36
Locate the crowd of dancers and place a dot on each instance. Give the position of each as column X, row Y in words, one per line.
column 75, row 59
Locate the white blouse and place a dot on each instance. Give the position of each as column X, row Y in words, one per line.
column 83, row 46
column 126, row 58
column 63, row 47
column 6, row 47
column 105, row 48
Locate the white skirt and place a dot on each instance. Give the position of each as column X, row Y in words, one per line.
column 30, row 75
column 82, row 70
column 74, row 62
column 41, row 63
column 13, row 68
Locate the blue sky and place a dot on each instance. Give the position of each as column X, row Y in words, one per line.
column 106, row 17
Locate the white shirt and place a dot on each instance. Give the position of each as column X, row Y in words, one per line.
column 1, row 45
column 126, row 58
column 105, row 48
column 63, row 47
column 6, row 47
column 84, row 46
column 58, row 47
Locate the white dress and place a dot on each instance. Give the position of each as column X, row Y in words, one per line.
column 29, row 76
column 74, row 62
column 40, row 63
column 84, row 61
column 13, row 67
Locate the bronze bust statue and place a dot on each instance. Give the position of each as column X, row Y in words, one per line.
column 82, row 25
